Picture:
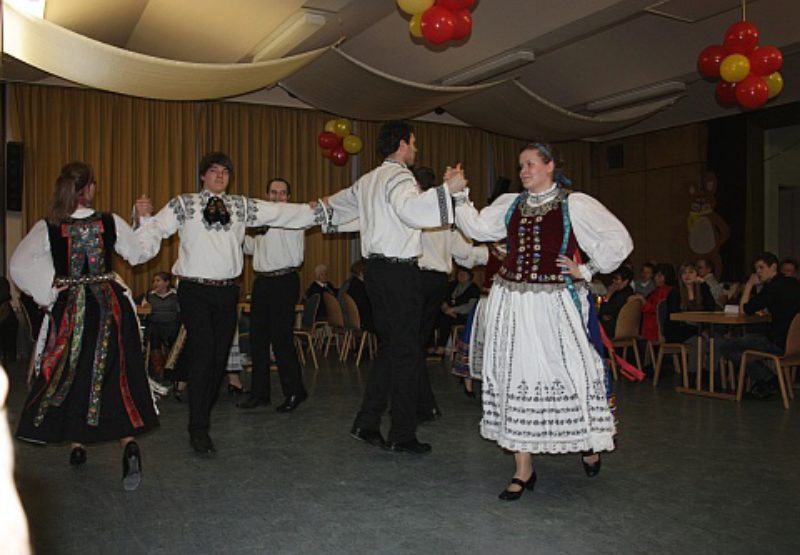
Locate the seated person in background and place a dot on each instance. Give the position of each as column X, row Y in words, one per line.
column 692, row 294
column 705, row 273
column 461, row 298
column 319, row 286
column 356, row 289
column 789, row 268
column 645, row 284
column 664, row 281
column 616, row 297
column 780, row 297
column 163, row 322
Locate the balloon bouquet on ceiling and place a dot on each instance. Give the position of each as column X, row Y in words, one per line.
column 337, row 142
column 749, row 72
column 438, row 21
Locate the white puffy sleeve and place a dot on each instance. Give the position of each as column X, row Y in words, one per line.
column 127, row 244
column 433, row 208
column 599, row 233
column 344, row 204
column 465, row 253
column 153, row 229
column 289, row 215
column 487, row 225
column 31, row 266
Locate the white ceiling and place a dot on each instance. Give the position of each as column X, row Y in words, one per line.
column 585, row 49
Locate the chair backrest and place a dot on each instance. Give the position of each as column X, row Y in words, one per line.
column 334, row 310
column 630, row 316
column 310, row 308
column 661, row 318
column 793, row 337
column 351, row 316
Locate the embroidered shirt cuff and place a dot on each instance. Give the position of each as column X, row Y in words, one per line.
column 446, row 216
column 588, row 270
column 322, row 216
column 460, row 198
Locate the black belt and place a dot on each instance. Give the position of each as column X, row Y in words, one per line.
column 275, row 273
column 393, row 259
column 212, row 282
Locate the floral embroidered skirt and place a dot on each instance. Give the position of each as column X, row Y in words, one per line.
column 543, row 382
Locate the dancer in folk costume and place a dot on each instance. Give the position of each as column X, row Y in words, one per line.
column 544, row 381
column 91, row 383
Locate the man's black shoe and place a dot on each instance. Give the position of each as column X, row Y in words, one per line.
column 429, row 415
column 410, row 446
column 253, row 402
column 373, row 437
column 292, row 402
column 202, row 444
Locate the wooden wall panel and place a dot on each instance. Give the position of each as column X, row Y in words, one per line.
column 675, row 146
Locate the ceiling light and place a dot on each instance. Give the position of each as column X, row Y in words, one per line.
column 637, row 96
column 489, row 68
column 297, row 28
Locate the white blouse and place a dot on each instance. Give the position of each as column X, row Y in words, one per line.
column 441, row 246
column 391, row 210
column 214, row 251
column 32, row 268
column 599, row 233
column 276, row 249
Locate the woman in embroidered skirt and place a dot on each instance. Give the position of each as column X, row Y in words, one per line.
column 543, row 381
column 90, row 383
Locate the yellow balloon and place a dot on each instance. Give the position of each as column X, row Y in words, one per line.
column 330, row 126
column 352, row 144
column 734, row 68
column 774, row 84
column 342, row 127
column 413, row 7
column 415, row 25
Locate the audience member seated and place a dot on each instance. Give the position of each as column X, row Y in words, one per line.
column 616, row 297
column 664, row 281
column 356, row 289
column 780, row 297
column 163, row 322
column 705, row 272
column 462, row 296
column 691, row 295
column 645, row 284
column 9, row 325
column 789, row 268
column 319, row 286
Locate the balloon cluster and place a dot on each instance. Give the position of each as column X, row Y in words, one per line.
column 438, row 21
column 337, row 142
column 749, row 72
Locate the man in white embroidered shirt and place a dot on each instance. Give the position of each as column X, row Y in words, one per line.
column 211, row 227
column 391, row 211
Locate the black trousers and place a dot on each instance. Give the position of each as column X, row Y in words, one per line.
column 209, row 314
column 394, row 293
column 434, row 293
column 272, row 322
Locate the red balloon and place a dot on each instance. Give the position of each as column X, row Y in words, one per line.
column 741, row 38
column 327, row 140
column 752, row 92
column 709, row 60
column 726, row 93
column 437, row 25
column 339, row 156
column 765, row 60
column 462, row 21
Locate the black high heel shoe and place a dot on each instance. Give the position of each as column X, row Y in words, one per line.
column 177, row 392
column 591, row 470
column 235, row 390
column 131, row 467
column 77, row 456
column 507, row 495
column 468, row 392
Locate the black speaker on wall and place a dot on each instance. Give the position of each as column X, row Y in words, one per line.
column 14, row 177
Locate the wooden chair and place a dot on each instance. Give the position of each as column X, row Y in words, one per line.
column 679, row 351
column 352, row 320
column 307, row 330
column 336, row 327
column 455, row 335
column 626, row 332
column 784, row 364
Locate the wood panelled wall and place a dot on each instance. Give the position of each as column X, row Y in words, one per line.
column 650, row 192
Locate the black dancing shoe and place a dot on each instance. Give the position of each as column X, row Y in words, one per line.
column 235, row 390
column 507, row 495
column 77, row 456
column 202, row 444
column 131, row 466
column 373, row 437
column 252, row 402
column 428, row 415
column 591, row 470
column 291, row 402
column 412, row 446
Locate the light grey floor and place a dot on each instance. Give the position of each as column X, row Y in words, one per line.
column 690, row 475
